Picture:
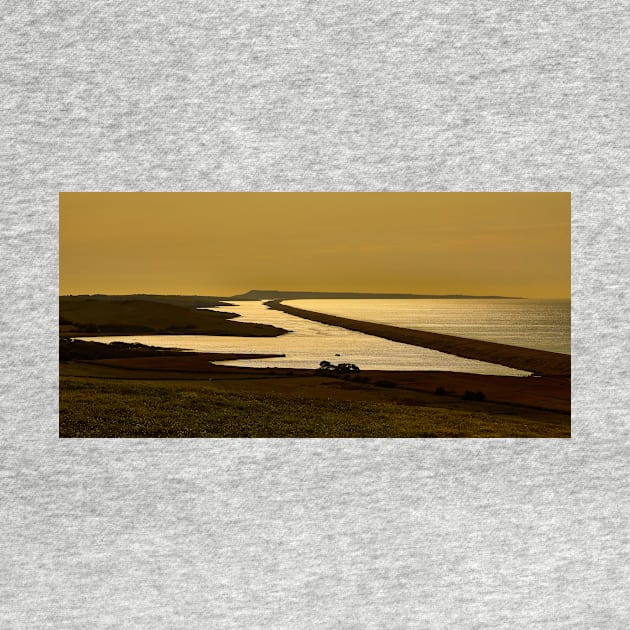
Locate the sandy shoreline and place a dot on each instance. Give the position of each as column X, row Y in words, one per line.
column 539, row 362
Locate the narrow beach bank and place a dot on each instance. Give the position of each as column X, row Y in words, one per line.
column 540, row 362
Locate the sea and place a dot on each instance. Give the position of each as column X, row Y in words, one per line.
column 540, row 324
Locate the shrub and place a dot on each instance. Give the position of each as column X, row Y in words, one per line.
column 440, row 391
column 343, row 370
column 360, row 379
column 385, row 384
column 468, row 395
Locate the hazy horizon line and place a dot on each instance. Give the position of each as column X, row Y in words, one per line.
column 217, row 295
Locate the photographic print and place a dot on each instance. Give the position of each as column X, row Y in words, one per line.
column 293, row 315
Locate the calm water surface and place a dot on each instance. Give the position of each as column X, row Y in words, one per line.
column 539, row 324
column 308, row 343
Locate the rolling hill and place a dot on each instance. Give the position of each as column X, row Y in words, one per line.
column 89, row 317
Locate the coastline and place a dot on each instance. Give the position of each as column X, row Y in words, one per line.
column 173, row 393
column 539, row 362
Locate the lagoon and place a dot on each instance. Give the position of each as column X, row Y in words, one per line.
column 310, row 342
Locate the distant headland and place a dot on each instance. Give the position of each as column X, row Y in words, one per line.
column 257, row 294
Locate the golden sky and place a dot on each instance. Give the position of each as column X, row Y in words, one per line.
column 514, row 244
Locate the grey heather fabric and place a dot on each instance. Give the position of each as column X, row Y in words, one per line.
column 325, row 96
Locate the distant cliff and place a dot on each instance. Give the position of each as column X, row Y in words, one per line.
column 257, row 294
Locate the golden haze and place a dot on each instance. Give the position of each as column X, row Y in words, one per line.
column 514, row 244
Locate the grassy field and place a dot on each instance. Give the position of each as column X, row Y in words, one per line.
column 104, row 400
column 98, row 316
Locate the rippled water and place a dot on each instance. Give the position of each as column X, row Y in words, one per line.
column 539, row 324
column 312, row 342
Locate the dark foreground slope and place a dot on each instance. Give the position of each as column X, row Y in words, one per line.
column 98, row 400
column 129, row 390
column 537, row 361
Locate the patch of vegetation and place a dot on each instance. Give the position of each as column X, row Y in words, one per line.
column 440, row 391
column 469, row 395
column 111, row 408
column 386, row 384
column 101, row 316
column 361, row 379
column 79, row 350
column 330, row 369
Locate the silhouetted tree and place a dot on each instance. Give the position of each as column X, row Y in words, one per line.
column 342, row 368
